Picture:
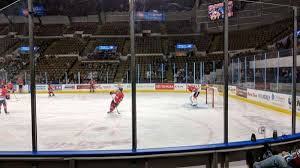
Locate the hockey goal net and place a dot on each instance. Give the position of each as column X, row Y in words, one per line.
column 211, row 96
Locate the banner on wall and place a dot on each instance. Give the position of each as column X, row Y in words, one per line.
column 145, row 87
column 107, row 87
column 164, row 86
column 68, row 87
column 41, row 87
column 279, row 99
column 271, row 98
column 80, row 87
column 242, row 92
column 232, row 90
column 181, row 87
column 57, row 87
column 261, row 96
column 297, row 103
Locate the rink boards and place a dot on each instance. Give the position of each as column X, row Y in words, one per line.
column 271, row 100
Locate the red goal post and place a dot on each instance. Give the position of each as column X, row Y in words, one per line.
column 211, row 95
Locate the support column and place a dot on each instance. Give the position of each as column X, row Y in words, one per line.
column 246, row 70
column 46, row 78
column 107, row 80
column 150, row 67
column 138, row 73
column 133, row 75
column 265, row 77
column 162, row 73
column 174, row 69
column 32, row 79
column 294, row 84
column 226, row 58
column 78, row 76
column 66, row 78
column 194, row 71
column 186, row 72
column 277, row 79
column 200, row 75
column 214, row 70
column 239, row 71
column 254, row 71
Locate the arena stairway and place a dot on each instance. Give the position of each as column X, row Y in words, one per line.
column 214, row 43
column 169, row 73
column 123, row 67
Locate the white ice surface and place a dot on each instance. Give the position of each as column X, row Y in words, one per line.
column 81, row 122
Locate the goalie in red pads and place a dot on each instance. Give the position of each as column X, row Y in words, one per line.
column 117, row 96
column 195, row 93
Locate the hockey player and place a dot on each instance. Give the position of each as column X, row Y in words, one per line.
column 3, row 97
column 20, row 83
column 9, row 91
column 195, row 93
column 92, row 85
column 10, row 87
column 50, row 90
column 117, row 99
column 2, row 82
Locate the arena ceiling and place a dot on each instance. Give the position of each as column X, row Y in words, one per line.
column 150, row 3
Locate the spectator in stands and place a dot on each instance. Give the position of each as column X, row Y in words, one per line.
column 175, row 77
column 282, row 160
column 148, row 75
column 191, row 77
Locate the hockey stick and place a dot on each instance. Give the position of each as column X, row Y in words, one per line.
column 17, row 99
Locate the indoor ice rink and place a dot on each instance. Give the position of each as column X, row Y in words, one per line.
column 149, row 83
column 81, row 121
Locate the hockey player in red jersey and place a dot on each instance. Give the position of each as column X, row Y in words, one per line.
column 10, row 87
column 195, row 93
column 117, row 99
column 50, row 90
column 3, row 97
column 92, row 85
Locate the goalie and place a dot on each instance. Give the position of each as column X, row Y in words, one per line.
column 117, row 97
column 195, row 90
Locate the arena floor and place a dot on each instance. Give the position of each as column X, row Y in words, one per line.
column 81, row 122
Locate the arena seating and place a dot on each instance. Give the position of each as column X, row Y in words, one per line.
column 18, row 62
column 12, row 66
column 148, row 45
column 6, row 43
column 50, row 30
column 143, row 64
column 71, row 8
column 209, row 43
column 122, row 6
column 55, row 67
column 3, row 29
column 20, row 28
column 179, row 27
column 102, row 72
column 87, row 28
column 202, row 42
column 116, row 28
column 255, row 38
column 66, row 46
column 149, row 25
column 93, row 43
